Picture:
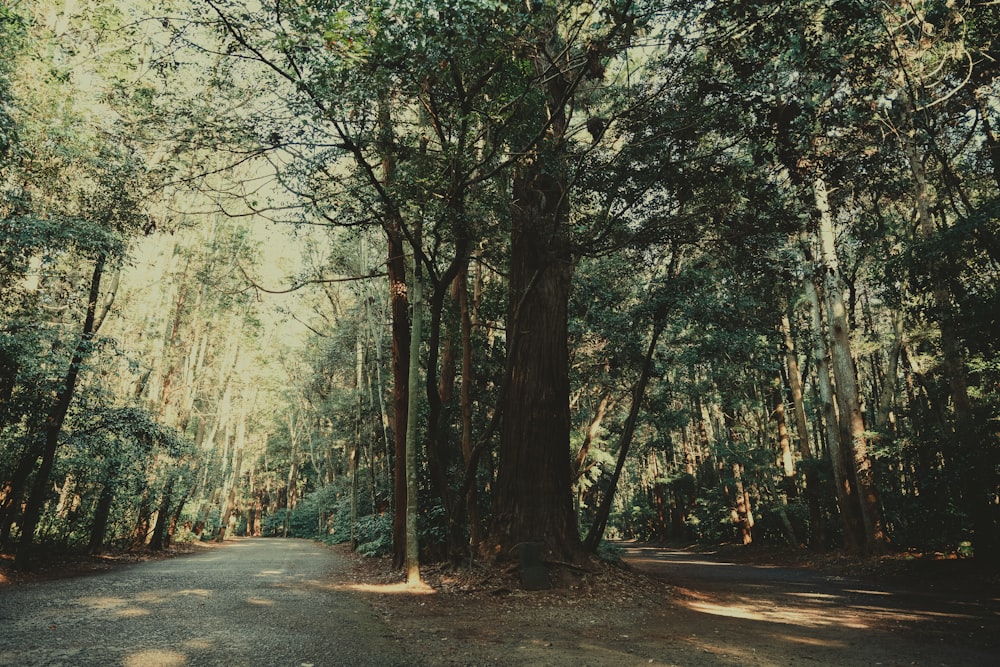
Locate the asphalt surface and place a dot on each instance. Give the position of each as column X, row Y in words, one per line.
column 251, row 602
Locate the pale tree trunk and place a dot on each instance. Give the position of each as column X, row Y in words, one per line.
column 787, row 463
column 593, row 430
column 884, row 417
column 846, row 378
column 359, row 353
column 850, row 510
column 742, row 515
column 227, row 514
column 817, row 532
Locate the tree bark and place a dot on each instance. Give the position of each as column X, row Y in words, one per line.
column 846, row 378
column 158, row 540
column 532, row 495
column 465, row 314
column 412, row 543
column 850, row 511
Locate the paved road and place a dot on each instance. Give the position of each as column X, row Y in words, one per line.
column 935, row 620
column 249, row 602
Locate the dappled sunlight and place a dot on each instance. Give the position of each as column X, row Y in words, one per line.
column 260, row 601
column 197, row 592
column 811, row 641
column 154, row 658
column 132, row 612
column 815, row 596
column 676, row 561
column 813, row 618
column 197, row 645
column 152, row 597
column 105, row 603
column 123, row 608
column 397, row 588
column 814, row 612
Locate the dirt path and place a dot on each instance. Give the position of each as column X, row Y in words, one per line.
column 248, row 602
column 290, row 602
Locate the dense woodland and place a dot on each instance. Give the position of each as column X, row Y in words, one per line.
column 444, row 277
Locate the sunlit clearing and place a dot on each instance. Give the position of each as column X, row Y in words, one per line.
column 154, row 658
column 260, row 601
column 264, row 573
column 864, row 592
column 197, row 644
column 402, row 587
column 132, row 612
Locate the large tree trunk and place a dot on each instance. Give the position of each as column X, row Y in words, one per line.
column 159, row 538
column 99, row 529
column 532, row 496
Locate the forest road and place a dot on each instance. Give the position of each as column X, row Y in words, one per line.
column 784, row 615
column 246, row 602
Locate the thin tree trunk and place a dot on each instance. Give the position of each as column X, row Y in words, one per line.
column 55, row 419
column 817, row 527
column 156, row 542
column 412, row 544
column 600, row 523
column 977, row 462
column 472, row 501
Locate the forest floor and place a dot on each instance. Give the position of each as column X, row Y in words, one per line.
column 682, row 606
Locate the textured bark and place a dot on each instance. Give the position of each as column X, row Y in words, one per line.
column 532, row 495
column 846, row 377
column 99, row 528
column 399, row 305
column 471, row 499
column 159, row 537
column 412, row 544
column 850, row 510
